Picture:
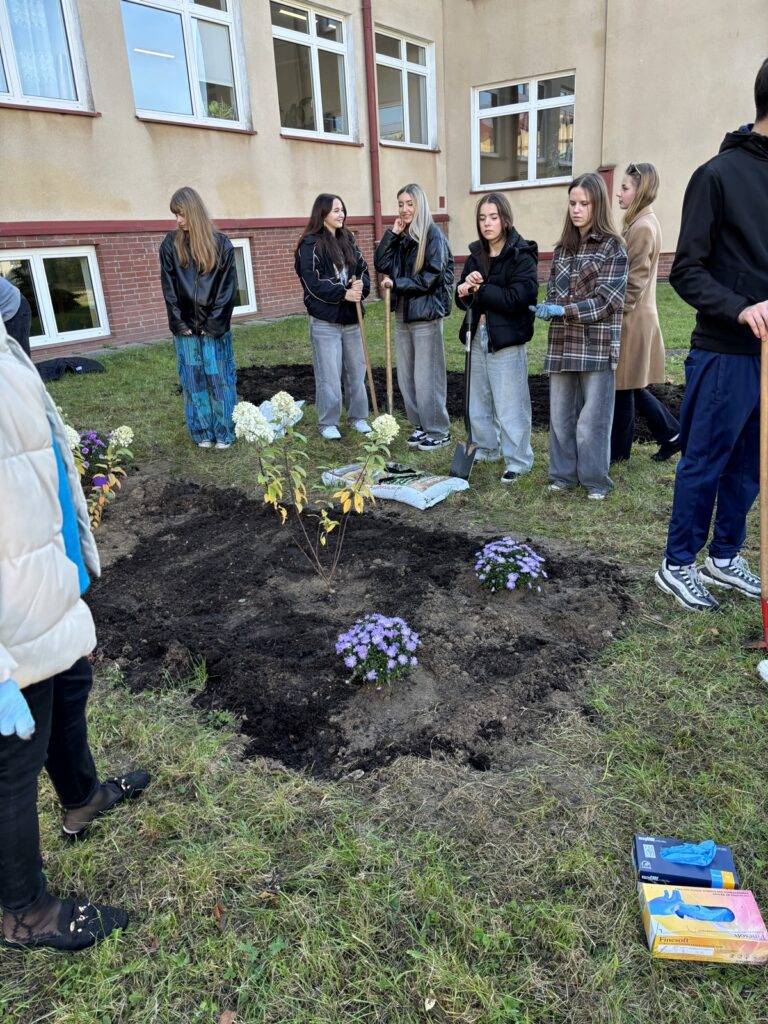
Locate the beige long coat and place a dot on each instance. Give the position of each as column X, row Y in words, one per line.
column 641, row 359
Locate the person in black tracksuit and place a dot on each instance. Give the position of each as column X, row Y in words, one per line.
column 499, row 283
column 721, row 269
column 335, row 279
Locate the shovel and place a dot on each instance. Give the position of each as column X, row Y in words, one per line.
column 762, row 644
column 369, row 371
column 464, row 453
column 388, row 343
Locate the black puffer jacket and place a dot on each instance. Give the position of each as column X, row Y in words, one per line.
column 201, row 302
column 427, row 294
column 721, row 263
column 509, row 288
column 323, row 287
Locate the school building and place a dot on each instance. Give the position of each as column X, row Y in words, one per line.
column 107, row 106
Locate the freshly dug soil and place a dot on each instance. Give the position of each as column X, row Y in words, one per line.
column 257, row 383
column 203, row 572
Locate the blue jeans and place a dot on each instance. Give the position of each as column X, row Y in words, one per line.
column 60, row 745
column 720, row 464
column 338, row 358
column 422, row 376
column 500, row 403
column 580, row 417
column 208, row 379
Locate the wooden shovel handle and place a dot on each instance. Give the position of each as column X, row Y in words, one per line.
column 764, row 470
column 368, row 368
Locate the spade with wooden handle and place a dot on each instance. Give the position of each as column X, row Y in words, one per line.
column 369, row 371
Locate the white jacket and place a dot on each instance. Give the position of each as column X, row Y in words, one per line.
column 44, row 625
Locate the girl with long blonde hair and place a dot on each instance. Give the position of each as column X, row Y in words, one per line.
column 199, row 279
column 642, row 357
column 416, row 263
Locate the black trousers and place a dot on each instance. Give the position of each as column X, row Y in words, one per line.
column 20, row 323
column 60, row 745
column 660, row 420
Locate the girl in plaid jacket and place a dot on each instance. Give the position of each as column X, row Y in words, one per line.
column 584, row 303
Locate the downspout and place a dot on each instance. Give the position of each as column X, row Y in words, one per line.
column 373, row 130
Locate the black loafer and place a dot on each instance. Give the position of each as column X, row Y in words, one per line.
column 81, row 924
column 666, row 450
column 126, row 787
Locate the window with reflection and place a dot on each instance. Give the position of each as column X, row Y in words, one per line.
column 522, row 132
column 405, row 89
column 311, row 65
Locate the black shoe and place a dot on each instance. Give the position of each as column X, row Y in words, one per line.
column 80, row 924
column 415, row 438
column 666, row 450
column 430, row 444
column 509, row 477
column 125, row 787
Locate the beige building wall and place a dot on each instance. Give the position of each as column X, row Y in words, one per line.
column 680, row 76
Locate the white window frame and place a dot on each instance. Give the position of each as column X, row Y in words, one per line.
column 345, row 48
column 230, row 19
column 251, row 306
column 405, row 66
column 16, row 96
column 51, row 335
column 532, row 106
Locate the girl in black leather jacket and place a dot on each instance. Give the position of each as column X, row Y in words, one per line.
column 499, row 283
column 417, row 264
column 335, row 278
column 199, row 279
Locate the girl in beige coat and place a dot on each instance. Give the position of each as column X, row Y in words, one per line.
column 641, row 360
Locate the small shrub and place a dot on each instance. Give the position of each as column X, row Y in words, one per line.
column 507, row 564
column 378, row 649
column 100, row 461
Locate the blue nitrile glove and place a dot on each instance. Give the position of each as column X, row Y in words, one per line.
column 546, row 310
column 698, row 854
column 660, row 906
column 15, row 716
column 699, row 913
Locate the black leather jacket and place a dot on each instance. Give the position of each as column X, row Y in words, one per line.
column 199, row 302
column 427, row 295
column 324, row 290
column 509, row 288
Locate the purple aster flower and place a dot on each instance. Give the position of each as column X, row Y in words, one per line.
column 100, row 480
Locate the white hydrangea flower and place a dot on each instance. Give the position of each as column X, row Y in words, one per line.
column 285, row 408
column 73, row 438
column 251, row 424
column 385, row 428
column 122, row 437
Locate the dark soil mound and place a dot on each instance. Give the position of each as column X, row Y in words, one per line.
column 257, row 383
column 214, row 576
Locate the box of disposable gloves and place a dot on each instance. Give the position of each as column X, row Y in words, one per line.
column 711, row 925
column 676, row 862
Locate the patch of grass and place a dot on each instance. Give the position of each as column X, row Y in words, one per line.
column 432, row 893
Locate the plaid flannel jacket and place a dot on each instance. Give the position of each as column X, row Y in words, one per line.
column 590, row 285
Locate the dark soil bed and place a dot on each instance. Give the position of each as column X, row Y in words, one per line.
column 212, row 575
column 257, row 383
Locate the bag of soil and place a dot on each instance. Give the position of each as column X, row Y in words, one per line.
column 403, row 483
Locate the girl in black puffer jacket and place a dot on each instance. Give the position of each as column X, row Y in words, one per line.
column 335, row 278
column 417, row 264
column 499, row 282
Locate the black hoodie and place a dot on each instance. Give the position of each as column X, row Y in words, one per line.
column 721, row 264
column 510, row 286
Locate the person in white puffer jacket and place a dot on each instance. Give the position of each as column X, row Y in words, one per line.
column 46, row 630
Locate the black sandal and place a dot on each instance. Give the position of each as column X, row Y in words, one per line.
column 80, row 924
column 126, row 787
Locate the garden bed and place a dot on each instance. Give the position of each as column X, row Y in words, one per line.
column 258, row 383
column 206, row 573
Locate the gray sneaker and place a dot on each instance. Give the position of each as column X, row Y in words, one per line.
column 734, row 576
column 684, row 585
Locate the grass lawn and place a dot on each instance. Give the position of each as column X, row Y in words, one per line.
column 437, row 894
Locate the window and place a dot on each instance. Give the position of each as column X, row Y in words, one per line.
column 522, row 133
column 312, row 62
column 405, row 89
column 245, row 301
column 41, row 55
column 185, row 60
column 63, row 289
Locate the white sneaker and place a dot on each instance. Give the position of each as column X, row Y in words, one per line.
column 330, row 433
column 684, row 584
column 596, row 495
column 734, row 576
column 223, row 444
column 205, row 444
column 362, row 426
column 556, row 487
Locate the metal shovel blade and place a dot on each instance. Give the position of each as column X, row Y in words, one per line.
column 463, row 459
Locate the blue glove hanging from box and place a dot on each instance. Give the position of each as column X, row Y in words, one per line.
column 699, row 854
